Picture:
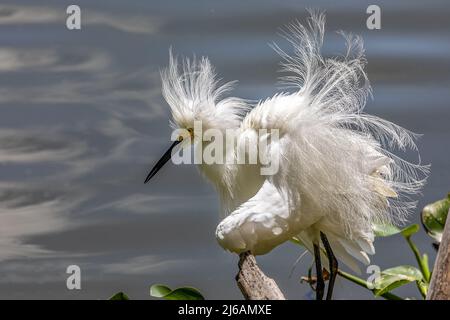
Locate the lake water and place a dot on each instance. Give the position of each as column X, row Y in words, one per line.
column 82, row 120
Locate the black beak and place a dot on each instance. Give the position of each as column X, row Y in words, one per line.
column 162, row 161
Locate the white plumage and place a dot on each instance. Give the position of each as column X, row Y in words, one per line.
column 336, row 174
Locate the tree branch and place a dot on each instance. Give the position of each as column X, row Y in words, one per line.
column 253, row 283
column 440, row 281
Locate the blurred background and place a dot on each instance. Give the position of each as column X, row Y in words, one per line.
column 82, row 120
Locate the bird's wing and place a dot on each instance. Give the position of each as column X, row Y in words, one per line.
column 334, row 159
column 264, row 222
column 258, row 225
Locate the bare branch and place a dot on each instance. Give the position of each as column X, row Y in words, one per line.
column 254, row 284
column 440, row 281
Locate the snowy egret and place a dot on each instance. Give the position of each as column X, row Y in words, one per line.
column 336, row 176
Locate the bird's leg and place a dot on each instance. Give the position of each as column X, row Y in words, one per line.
column 333, row 264
column 320, row 284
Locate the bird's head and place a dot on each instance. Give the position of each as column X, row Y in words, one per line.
column 194, row 95
column 192, row 91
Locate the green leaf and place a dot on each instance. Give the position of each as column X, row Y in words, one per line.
column 159, row 290
column 385, row 230
column 119, row 296
column 184, row 293
column 410, row 230
column 434, row 216
column 392, row 278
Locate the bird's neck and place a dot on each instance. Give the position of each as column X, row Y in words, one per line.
column 235, row 183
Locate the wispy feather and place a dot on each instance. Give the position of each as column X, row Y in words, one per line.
column 193, row 92
column 335, row 149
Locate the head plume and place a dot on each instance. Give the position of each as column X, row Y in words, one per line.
column 193, row 93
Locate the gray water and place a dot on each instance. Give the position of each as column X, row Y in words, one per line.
column 82, row 120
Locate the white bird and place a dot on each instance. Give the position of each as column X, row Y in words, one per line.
column 336, row 177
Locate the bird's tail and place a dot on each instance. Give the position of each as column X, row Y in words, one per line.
column 350, row 252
